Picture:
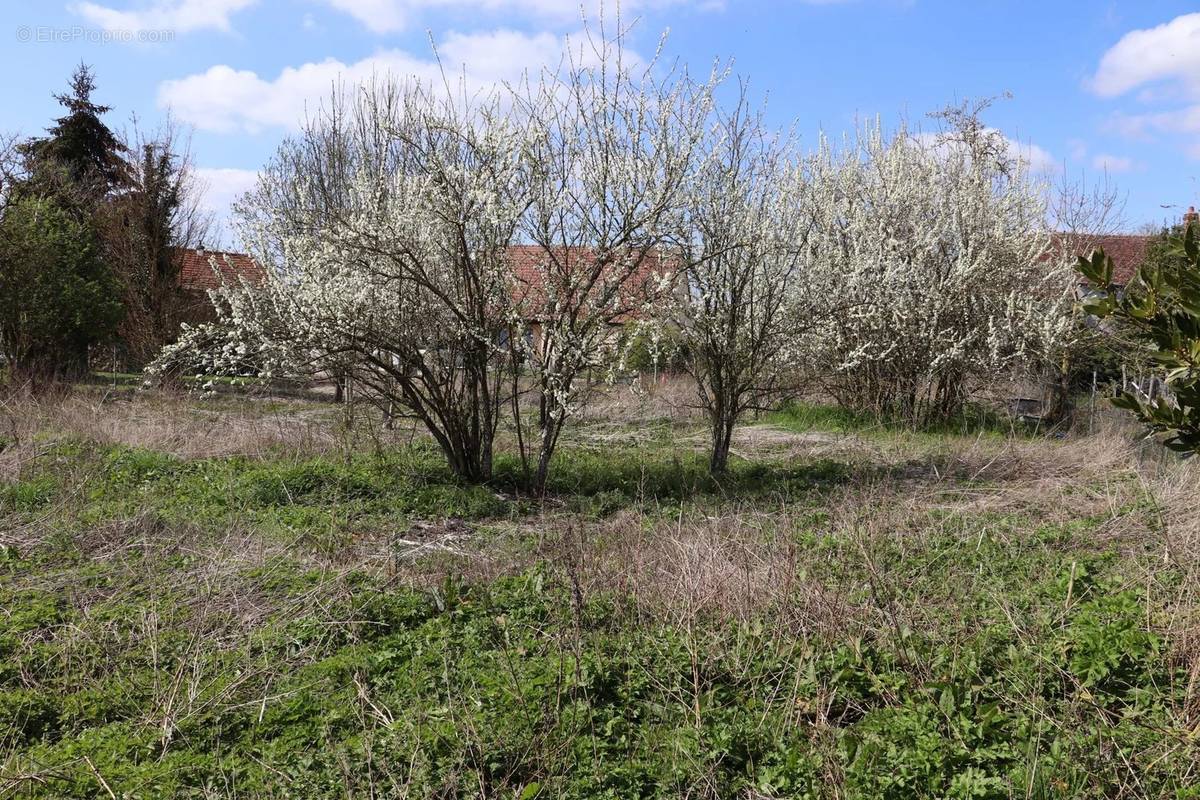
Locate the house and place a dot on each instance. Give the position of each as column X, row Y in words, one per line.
column 651, row 280
column 1127, row 250
column 201, row 269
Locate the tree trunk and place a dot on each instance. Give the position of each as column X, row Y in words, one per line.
column 469, row 457
column 549, row 438
column 723, row 420
column 1058, row 413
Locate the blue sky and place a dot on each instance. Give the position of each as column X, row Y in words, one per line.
column 1094, row 85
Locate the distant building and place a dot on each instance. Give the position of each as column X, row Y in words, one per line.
column 1127, row 250
column 201, row 270
column 531, row 264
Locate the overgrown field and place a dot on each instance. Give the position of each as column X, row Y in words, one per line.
column 237, row 598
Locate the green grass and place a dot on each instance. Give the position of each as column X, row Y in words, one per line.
column 975, row 420
column 391, row 486
column 222, row 627
column 804, row 417
column 516, row 684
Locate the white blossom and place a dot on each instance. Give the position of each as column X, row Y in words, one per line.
column 938, row 248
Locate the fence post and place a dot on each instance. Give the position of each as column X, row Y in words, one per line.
column 1092, row 415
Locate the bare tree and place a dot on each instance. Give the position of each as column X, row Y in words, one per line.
column 146, row 227
column 11, row 170
column 1083, row 210
column 9, row 166
column 1083, row 213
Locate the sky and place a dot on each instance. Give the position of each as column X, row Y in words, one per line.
column 1092, row 89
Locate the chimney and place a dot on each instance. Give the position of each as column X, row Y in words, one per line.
column 1190, row 217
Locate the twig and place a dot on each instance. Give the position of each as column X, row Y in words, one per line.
column 100, row 778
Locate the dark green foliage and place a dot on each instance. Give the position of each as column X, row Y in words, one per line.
column 146, row 226
column 57, row 295
column 1161, row 308
column 80, row 155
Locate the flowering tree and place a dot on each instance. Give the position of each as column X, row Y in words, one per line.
column 384, row 227
column 612, row 147
column 940, row 248
column 746, row 307
column 388, row 228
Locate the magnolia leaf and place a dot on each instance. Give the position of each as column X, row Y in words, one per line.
column 1127, row 402
column 1098, row 269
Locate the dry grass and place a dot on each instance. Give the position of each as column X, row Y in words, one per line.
column 740, row 560
column 646, row 400
column 174, row 424
column 689, row 568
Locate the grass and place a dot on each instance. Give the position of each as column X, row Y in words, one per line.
column 290, row 608
column 975, row 420
column 139, row 378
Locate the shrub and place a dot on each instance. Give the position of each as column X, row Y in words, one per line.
column 1161, row 308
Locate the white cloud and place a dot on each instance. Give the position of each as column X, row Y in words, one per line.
column 179, row 16
column 1169, row 52
column 1163, row 65
column 1038, row 158
column 388, row 16
column 226, row 100
column 1141, row 126
column 378, row 16
column 1112, row 164
column 221, row 186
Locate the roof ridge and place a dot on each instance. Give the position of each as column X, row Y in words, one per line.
column 211, row 250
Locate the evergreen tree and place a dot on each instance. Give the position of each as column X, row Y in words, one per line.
column 57, row 288
column 80, row 157
column 56, row 293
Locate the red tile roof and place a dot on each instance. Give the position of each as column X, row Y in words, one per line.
column 532, row 264
column 1127, row 250
column 207, row 269
column 201, row 270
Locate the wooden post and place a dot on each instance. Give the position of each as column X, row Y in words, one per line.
column 1092, row 415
